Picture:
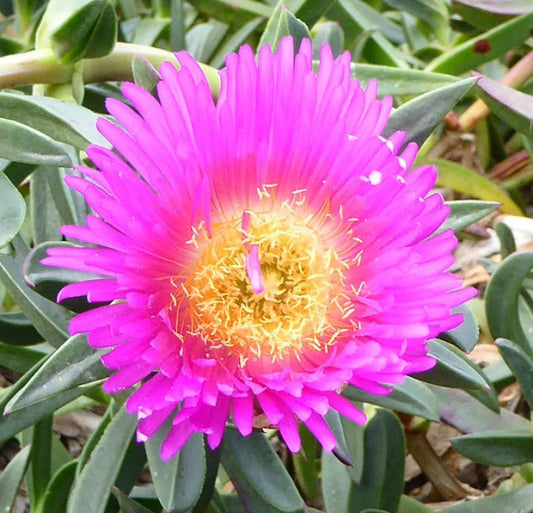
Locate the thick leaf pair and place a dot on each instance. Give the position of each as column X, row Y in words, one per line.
column 510, row 315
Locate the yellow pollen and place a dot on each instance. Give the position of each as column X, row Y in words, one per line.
column 302, row 299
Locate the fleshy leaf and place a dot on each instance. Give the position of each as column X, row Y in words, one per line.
column 11, row 478
column 382, row 479
column 355, row 17
column 501, row 448
column 453, row 368
column 412, row 397
column 92, row 487
column 17, row 330
column 73, row 365
column 518, row 501
column 488, row 13
column 433, row 12
column 468, row 415
column 502, row 301
column 63, row 122
column 485, row 47
column 467, row 212
column 466, row 181
column 283, row 23
column 178, row 482
column 261, row 480
column 466, row 335
column 48, row 318
column 12, row 210
column 56, row 495
column 22, row 143
column 521, row 364
column 514, row 107
column 420, row 116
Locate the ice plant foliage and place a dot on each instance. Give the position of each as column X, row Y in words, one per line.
column 258, row 252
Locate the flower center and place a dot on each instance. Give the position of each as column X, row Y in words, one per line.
column 265, row 286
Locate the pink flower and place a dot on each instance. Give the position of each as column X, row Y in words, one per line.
column 259, row 252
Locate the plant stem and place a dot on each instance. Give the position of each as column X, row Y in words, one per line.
column 41, row 67
column 448, row 485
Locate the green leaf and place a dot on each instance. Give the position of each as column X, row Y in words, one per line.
column 234, row 12
column 92, row 487
column 410, row 505
column 333, row 420
column 128, row 505
column 470, row 416
column 329, row 33
column 400, row 82
column 144, row 74
column 466, row 181
column 514, row 107
column 355, row 17
column 177, row 26
column 521, row 364
column 466, row 335
column 453, row 368
column 24, row 144
column 306, row 467
column 208, row 488
column 16, row 330
column 71, row 206
column 412, row 397
column 420, row 116
column 501, row 448
column 519, row 501
column 48, row 318
column 89, row 31
column 203, row 39
column 12, row 210
column 56, row 495
column 283, row 23
column 15, row 422
column 11, row 478
column 433, row 12
column 382, row 480
column 64, row 122
column 506, row 238
column 355, row 439
column 40, row 468
column 336, row 484
column 45, row 219
column 502, row 300
column 178, row 482
column 48, row 281
column 131, row 467
column 73, row 365
column 96, row 436
column 19, row 359
column 498, row 41
column 309, row 11
column 467, row 212
column 234, row 42
column 488, row 13
column 148, row 30
column 261, row 480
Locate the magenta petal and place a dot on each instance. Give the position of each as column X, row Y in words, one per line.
column 260, row 250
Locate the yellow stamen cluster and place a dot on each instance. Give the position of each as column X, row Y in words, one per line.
column 303, row 283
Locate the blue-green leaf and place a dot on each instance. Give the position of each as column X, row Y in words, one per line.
column 12, row 210
column 11, row 478
column 178, row 482
column 92, row 487
column 412, row 397
column 261, row 480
